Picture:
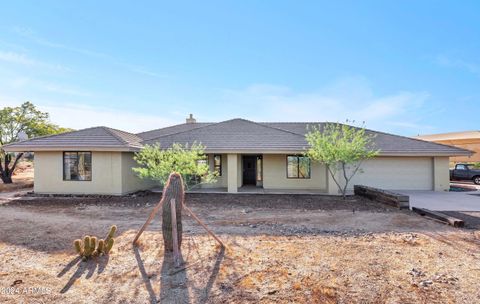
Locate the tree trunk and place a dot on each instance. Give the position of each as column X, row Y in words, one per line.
column 6, row 179
column 174, row 189
column 5, row 171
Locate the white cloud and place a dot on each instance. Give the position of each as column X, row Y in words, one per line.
column 27, row 83
column 83, row 116
column 445, row 61
column 402, row 112
column 350, row 98
column 19, row 58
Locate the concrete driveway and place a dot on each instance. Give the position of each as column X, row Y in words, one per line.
column 444, row 201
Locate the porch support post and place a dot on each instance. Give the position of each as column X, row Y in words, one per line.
column 232, row 167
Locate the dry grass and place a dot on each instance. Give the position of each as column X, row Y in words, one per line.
column 419, row 261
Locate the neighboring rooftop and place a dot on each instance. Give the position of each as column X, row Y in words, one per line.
column 451, row 136
column 230, row 136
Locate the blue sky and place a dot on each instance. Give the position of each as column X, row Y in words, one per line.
column 407, row 67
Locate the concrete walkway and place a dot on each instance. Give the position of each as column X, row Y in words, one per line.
column 444, row 201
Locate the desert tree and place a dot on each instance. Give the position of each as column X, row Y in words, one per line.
column 174, row 168
column 342, row 148
column 189, row 161
column 24, row 120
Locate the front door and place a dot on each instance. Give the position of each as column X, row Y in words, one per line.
column 249, row 169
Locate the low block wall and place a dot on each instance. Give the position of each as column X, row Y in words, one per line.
column 383, row 196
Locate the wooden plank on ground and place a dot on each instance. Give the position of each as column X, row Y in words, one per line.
column 455, row 222
column 383, row 196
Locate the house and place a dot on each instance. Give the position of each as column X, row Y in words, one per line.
column 247, row 155
column 469, row 140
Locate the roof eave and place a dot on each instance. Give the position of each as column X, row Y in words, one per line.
column 13, row 148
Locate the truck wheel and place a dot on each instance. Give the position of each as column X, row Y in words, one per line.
column 476, row 180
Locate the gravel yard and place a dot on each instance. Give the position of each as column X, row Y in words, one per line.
column 280, row 248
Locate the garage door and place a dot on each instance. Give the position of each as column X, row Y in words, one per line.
column 397, row 173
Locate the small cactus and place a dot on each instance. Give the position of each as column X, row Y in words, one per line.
column 101, row 247
column 78, row 246
column 111, row 233
column 91, row 247
column 109, row 246
column 93, row 243
column 86, row 244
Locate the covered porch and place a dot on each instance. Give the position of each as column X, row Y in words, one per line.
column 257, row 190
column 267, row 173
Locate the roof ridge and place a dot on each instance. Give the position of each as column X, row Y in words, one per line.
column 180, row 124
column 113, row 131
column 126, row 132
column 260, row 124
column 291, row 122
column 215, row 123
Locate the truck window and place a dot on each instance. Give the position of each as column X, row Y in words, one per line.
column 461, row 167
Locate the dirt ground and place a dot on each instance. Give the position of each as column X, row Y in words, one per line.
column 280, row 248
column 22, row 178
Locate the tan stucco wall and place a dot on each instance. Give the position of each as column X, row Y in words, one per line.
column 221, row 180
column 106, row 174
column 111, row 174
column 441, row 174
column 275, row 175
column 130, row 181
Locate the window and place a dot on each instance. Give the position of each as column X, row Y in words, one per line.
column 463, row 167
column 217, row 164
column 203, row 160
column 298, row 166
column 77, row 166
column 259, row 168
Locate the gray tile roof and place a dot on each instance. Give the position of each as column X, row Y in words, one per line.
column 102, row 138
column 232, row 135
column 236, row 134
column 385, row 142
column 171, row 130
